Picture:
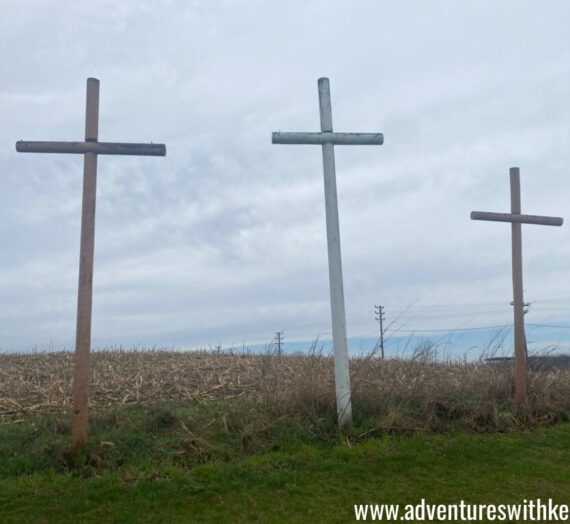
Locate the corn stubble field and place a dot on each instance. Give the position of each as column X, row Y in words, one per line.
column 255, row 390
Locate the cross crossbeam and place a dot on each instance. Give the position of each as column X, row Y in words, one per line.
column 90, row 148
column 328, row 139
column 516, row 219
column 339, row 139
column 98, row 148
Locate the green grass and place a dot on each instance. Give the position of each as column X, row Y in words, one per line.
column 162, row 465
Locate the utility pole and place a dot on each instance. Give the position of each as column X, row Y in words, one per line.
column 379, row 313
column 279, row 341
column 526, row 305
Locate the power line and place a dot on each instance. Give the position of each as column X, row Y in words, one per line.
column 549, row 326
column 553, row 301
column 474, row 305
column 501, row 326
column 427, row 306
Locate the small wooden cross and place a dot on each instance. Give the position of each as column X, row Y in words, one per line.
column 516, row 219
column 90, row 149
column 327, row 139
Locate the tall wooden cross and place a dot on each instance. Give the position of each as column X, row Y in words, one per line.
column 516, row 219
column 90, row 148
column 327, row 139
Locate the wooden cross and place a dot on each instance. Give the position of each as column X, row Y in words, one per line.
column 90, row 149
column 327, row 139
column 516, row 219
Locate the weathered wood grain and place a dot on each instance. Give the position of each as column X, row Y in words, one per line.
column 98, row 148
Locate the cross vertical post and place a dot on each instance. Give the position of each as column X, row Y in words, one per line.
column 517, row 219
column 520, row 366
column 79, row 421
column 327, row 139
column 90, row 148
column 338, row 315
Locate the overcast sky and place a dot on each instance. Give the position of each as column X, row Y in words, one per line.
column 223, row 241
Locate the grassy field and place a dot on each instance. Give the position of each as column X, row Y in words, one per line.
column 203, row 437
column 150, row 469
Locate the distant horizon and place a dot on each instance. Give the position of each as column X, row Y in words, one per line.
column 456, row 344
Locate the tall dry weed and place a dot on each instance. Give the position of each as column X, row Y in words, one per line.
column 417, row 394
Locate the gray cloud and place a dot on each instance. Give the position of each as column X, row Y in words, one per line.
column 224, row 239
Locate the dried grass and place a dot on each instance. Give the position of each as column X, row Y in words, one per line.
column 415, row 394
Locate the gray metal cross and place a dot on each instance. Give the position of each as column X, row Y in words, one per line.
column 516, row 219
column 90, row 149
column 327, row 139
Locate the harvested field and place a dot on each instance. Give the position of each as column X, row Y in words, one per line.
column 397, row 394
